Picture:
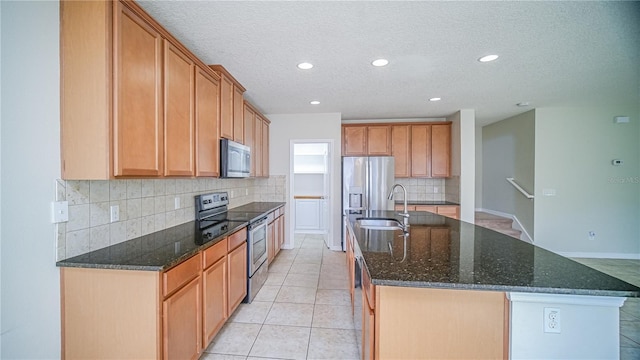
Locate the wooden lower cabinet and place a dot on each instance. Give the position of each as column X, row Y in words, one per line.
column 423, row 323
column 214, row 291
column 181, row 323
column 237, row 260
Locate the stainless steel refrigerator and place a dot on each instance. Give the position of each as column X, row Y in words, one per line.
column 366, row 182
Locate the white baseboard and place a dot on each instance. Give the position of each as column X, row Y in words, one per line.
column 335, row 248
column 517, row 224
column 599, row 255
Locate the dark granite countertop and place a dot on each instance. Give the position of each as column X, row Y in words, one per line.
column 440, row 252
column 160, row 250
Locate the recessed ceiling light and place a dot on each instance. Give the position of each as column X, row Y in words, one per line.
column 380, row 62
column 488, row 58
column 305, row 66
column 314, row 102
column 523, row 104
column 435, row 99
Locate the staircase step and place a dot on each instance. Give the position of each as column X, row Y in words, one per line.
column 497, row 223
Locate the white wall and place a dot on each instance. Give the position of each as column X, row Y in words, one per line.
column 574, row 149
column 30, row 147
column 479, row 173
column 509, row 151
column 463, row 159
column 287, row 127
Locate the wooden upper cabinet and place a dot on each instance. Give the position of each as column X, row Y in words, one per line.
column 231, row 105
column 137, row 116
column 420, row 150
column 178, row 112
column 226, row 107
column 207, row 124
column 238, row 114
column 354, row 140
column 400, row 150
column 249, row 134
column 128, row 96
column 441, row 150
column 256, row 152
column 265, row 147
column 379, row 140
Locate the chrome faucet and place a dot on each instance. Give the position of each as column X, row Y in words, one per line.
column 405, row 213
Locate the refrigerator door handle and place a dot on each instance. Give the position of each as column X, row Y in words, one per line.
column 367, row 186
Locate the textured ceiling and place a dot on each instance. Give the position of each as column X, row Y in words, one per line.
column 551, row 54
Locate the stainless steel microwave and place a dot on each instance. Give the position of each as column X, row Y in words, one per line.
column 235, row 159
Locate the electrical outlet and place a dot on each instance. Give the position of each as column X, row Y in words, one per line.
column 115, row 213
column 176, row 202
column 246, row 192
column 592, row 235
column 552, row 323
column 59, row 211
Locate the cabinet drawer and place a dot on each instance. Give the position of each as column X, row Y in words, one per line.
column 368, row 288
column 179, row 275
column 214, row 253
column 400, row 207
column 450, row 211
column 237, row 239
column 428, row 208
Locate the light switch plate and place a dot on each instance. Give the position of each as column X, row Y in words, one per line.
column 59, row 211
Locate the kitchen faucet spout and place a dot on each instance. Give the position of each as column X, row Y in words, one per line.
column 405, row 213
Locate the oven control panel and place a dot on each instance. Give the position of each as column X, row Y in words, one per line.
column 212, row 200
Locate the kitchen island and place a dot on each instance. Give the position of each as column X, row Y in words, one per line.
column 450, row 289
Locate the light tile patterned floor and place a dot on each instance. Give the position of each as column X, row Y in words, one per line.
column 629, row 271
column 302, row 312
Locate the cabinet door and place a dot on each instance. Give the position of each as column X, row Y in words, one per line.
column 276, row 236
column 226, row 107
column 440, row 150
column 368, row 330
column 237, row 263
column 307, row 214
column 178, row 112
column 207, row 124
column 214, row 289
column 420, row 150
column 137, row 115
column 238, row 115
column 249, row 133
column 354, row 140
column 256, row 156
column 281, row 235
column 379, row 140
column 400, row 150
column 181, row 323
column 265, row 148
column 271, row 235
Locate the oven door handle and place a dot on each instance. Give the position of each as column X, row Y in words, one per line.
column 258, row 223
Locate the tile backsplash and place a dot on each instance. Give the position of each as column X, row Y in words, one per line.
column 145, row 206
column 423, row 189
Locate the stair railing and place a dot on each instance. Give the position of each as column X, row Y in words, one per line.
column 523, row 191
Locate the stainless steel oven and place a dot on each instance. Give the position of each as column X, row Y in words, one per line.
column 257, row 241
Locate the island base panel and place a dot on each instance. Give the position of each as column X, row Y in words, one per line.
column 422, row 323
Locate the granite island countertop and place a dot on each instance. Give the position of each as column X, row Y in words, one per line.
column 441, row 252
column 160, row 250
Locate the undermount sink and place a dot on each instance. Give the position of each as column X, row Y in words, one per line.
column 380, row 224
